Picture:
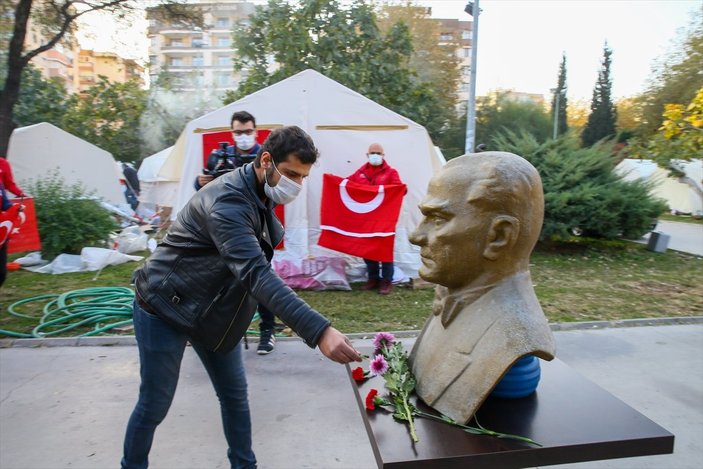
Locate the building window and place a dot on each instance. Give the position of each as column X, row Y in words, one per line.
column 224, row 60
column 466, row 52
column 198, row 60
column 222, row 22
column 465, row 71
column 466, row 34
column 223, row 41
column 176, row 42
column 176, row 61
column 224, row 80
column 445, row 37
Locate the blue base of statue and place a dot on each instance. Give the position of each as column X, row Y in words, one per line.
column 521, row 379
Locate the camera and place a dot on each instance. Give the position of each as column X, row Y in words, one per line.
column 219, row 162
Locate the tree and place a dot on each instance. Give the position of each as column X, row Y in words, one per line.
column 560, row 92
column 345, row 44
column 57, row 18
column 497, row 113
column 40, row 100
column 601, row 121
column 581, row 191
column 108, row 116
column 675, row 80
column 433, row 61
column 577, row 114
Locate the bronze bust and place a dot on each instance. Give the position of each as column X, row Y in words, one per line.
column 482, row 217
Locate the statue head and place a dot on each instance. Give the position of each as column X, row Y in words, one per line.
column 482, row 217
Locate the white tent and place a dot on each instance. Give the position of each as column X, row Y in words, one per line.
column 679, row 196
column 155, row 189
column 38, row 149
column 342, row 123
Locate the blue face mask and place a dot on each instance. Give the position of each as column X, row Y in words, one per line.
column 375, row 159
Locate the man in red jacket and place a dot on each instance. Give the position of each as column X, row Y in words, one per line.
column 377, row 172
column 7, row 180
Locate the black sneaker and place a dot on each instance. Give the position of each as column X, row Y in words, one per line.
column 267, row 342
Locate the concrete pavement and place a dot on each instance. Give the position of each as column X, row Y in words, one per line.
column 67, row 407
column 685, row 237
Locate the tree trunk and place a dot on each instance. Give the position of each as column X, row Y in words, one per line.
column 15, row 65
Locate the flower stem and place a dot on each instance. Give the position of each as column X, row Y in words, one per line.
column 410, row 421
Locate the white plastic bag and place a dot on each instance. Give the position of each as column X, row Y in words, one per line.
column 131, row 239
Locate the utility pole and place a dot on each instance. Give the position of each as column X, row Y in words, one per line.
column 557, row 92
column 473, row 10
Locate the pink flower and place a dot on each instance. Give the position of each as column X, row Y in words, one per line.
column 383, row 338
column 378, row 365
column 370, row 397
column 358, row 374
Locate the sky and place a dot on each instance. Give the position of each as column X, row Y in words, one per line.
column 520, row 42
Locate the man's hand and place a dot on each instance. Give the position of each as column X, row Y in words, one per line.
column 203, row 179
column 335, row 346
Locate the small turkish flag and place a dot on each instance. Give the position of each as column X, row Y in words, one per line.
column 10, row 220
column 25, row 232
column 359, row 219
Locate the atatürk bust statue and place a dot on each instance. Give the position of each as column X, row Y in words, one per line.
column 482, row 217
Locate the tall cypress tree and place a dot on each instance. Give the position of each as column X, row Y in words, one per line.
column 601, row 121
column 560, row 92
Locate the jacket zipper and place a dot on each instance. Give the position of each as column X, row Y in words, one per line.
column 231, row 322
column 212, row 304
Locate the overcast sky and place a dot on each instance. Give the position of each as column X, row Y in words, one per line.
column 521, row 41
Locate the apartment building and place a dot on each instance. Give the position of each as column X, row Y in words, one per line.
column 460, row 32
column 198, row 58
column 92, row 64
column 57, row 62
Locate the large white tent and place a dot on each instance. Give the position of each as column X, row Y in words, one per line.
column 155, row 189
column 680, row 196
column 342, row 123
column 38, row 149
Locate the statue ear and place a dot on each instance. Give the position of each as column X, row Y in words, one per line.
column 502, row 236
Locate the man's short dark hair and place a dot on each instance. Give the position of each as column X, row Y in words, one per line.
column 243, row 117
column 286, row 141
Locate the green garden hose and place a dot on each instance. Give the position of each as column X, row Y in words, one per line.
column 103, row 308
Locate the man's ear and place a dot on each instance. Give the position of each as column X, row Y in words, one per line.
column 502, row 236
column 268, row 157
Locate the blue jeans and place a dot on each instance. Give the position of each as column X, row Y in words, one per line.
column 386, row 270
column 161, row 349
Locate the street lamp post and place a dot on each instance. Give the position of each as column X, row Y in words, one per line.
column 473, row 10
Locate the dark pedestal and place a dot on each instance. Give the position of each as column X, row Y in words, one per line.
column 573, row 419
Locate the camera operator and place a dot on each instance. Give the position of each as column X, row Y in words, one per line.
column 243, row 151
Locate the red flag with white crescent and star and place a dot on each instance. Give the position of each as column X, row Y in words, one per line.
column 359, row 219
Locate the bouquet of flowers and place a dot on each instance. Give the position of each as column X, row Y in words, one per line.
column 390, row 361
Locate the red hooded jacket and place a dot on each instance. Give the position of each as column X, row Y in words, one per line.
column 7, row 180
column 376, row 175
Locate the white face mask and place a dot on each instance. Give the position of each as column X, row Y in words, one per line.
column 245, row 142
column 284, row 192
column 375, row 159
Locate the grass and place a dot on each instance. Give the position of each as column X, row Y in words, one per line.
column 681, row 218
column 580, row 281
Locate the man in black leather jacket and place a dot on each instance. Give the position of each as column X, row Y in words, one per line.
column 202, row 285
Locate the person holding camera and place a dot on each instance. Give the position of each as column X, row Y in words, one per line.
column 227, row 158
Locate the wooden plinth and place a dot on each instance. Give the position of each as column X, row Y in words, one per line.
column 572, row 418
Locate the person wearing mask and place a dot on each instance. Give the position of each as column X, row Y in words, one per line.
column 202, row 285
column 375, row 172
column 244, row 150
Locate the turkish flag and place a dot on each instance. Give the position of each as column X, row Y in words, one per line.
column 359, row 219
column 19, row 224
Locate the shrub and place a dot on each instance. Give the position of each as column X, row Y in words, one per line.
column 67, row 217
column 582, row 191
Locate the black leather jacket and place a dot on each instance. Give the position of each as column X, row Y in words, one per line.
column 213, row 267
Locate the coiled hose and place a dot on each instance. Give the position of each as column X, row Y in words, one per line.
column 103, row 308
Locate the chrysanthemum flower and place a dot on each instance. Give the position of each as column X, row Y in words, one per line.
column 383, row 338
column 378, row 365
